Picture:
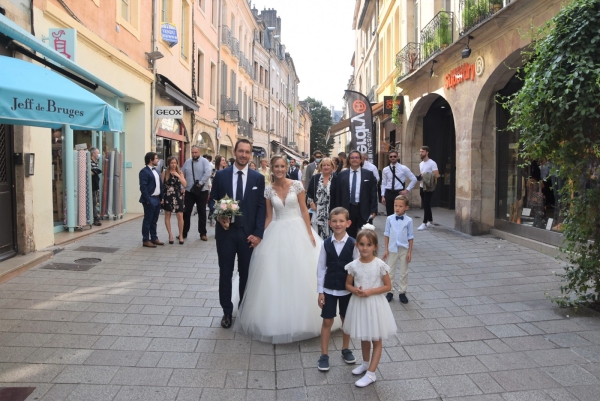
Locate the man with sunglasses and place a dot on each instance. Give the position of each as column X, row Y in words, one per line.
column 393, row 182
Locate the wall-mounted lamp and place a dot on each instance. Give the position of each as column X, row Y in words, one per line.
column 155, row 55
column 467, row 50
column 433, row 62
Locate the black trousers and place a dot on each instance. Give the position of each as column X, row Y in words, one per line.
column 200, row 202
column 357, row 220
column 151, row 213
column 234, row 243
column 390, row 195
column 426, row 203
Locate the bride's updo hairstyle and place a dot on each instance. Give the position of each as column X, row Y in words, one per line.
column 370, row 235
column 274, row 158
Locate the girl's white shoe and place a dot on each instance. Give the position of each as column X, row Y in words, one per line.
column 362, row 368
column 367, row 379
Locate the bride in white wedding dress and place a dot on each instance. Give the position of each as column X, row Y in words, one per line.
column 280, row 302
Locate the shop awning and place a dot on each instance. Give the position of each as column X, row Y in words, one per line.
column 177, row 94
column 289, row 151
column 33, row 95
column 343, row 124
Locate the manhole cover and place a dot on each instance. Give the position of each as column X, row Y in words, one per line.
column 68, row 266
column 88, row 261
column 102, row 249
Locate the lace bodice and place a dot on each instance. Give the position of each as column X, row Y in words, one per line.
column 288, row 208
column 367, row 275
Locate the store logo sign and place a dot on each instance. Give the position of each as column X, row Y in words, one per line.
column 460, row 74
column 168, row 112
column 64, row 41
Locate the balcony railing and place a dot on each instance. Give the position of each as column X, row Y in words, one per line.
column 437, row 34
column 371, row 95
column 408, row 59
column 476, row 12
column 246, row 65
column 228, row 105
column 235, row 47
column 226, row 35
column 245, row 128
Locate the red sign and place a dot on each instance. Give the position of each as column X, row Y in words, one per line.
column 460, row 74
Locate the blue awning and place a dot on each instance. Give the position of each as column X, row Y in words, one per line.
column 36, row 96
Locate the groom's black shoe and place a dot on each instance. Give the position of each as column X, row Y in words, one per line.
column 226, row 321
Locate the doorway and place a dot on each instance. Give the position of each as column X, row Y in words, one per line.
column 7, row 195
column 440, row 136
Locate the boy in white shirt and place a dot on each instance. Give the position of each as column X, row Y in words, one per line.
column 399, row 236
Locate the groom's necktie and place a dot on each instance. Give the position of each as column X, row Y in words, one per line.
column 239, row 192
column 353, row 189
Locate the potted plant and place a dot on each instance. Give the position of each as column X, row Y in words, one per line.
column 428, row 46
column 412, row 59
column 497, row 5
column 444, row 33
column 468, row 14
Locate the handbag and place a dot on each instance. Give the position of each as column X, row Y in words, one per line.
column 196, row 188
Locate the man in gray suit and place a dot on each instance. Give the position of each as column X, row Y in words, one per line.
column 312, row 167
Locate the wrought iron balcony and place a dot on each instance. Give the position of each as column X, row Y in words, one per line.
column 476, row 12
column 245, row 128
column 235, row 47
column 228, row 105
column 226, row 36
column 371, row 95
column 246, row 65
column 437, row 34
column 408, row 59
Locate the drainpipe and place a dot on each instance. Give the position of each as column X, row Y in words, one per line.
column 153, row 84
column 69, row 176
column 219, row 78
column 194, row 94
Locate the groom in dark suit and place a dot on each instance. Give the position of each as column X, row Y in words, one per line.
column 151, row 189
column 241, row 235
column 357, row 192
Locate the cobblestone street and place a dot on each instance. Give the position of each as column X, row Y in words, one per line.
column 144, row 324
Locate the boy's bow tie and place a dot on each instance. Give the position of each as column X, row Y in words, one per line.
column 399, row 217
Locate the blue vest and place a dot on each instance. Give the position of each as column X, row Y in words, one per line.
column 293, row 175
column 335, row 275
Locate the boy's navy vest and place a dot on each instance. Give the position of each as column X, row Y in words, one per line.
column 335, row 275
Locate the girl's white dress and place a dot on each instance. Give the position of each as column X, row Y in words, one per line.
column 370, row 318
column 280, row 302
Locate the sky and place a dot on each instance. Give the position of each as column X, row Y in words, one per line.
column 318, row 35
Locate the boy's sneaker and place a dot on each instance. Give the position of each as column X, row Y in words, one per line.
column 348, row 356
column 323, row 365
column 422, row 227
column 403, row 298
column 389, row 296
column 430, row 224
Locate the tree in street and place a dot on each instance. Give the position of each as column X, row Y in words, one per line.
column 321, row 122
column 557, row 113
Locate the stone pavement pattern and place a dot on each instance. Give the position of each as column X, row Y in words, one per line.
column 144, row 325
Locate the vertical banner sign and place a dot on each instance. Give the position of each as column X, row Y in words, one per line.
column 361, row 125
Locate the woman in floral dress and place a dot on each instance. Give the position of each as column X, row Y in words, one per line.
column 174, row 186
column 320, row 189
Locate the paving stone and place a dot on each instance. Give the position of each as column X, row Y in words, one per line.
column 586, row 393
column 467, row 348
column 131, row 343
column 529, row 343
column 261, row 395
column 568, row 340
column 149, row 360
column 430, row 351
column 506, row 361
column 91, row 392
column 113, row 358
column 142, row 376
column 454, row 366
column 198, row 378
column 486, row 383
column 553, row 357
column 290, row 378
column 524, row 379
column 592, row 353
column 417, row 389
column 224, row 361
column 534, row 395
column 172, row 345
column 330, row 393
column 470, row 334
column 506, row 330
column 178, row 360
column 292, row 394
column 261, row 380
column 137, row 393
column 454, row 386
column 405, row 370
column 572, row 375
column 87, row 374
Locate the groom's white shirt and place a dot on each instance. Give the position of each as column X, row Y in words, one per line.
column 322, row 266
column 235, row 178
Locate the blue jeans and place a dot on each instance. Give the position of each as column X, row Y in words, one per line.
column 151, row 213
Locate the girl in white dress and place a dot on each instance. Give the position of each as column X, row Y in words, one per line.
column 278, row 305
column 369, row 317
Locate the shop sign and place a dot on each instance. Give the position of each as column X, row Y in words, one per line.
column 460, row 74
column 362, row 135
column 64, row 41
column 47, row 105
column 169, row 33
column 167, row 124
column 168, row 112
column 388, row 104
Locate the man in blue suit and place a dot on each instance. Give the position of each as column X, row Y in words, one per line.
column 241, row 235
column 152, row 195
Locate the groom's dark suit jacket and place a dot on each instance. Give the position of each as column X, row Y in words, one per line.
column 368, row 192
column 252, row 206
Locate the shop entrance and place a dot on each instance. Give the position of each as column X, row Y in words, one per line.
column 7, row 186
column 440, row 136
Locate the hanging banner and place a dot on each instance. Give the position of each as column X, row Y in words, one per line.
column 169, row 33
column 361, row 125
column 388, row 104
column 64, row 41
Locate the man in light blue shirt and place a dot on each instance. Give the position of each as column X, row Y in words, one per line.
column 196, row 171
column 399, row 236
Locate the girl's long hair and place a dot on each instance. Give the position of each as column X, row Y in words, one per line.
column 168, row 166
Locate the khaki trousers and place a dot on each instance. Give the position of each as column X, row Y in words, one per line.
column 395, row 258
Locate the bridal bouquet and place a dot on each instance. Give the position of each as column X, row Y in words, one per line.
column 227, row 207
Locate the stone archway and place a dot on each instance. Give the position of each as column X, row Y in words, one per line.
column 483, row 139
